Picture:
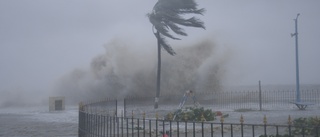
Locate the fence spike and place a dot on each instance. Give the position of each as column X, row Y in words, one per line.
column 185, row 116
column 157, row 116
column 289, row 120
column 170, row 117
column 132, row 113
column 80, row 106
column 202, row 118
column 264, row 119
column 221, row 119
column 241, row 119
column 144, row 115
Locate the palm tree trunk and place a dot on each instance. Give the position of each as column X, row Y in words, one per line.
column 156, row 101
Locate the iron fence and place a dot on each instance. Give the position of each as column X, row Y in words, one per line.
column 98, row 125
column 137, row 118
column 253, row 100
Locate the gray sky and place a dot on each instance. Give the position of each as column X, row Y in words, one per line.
column 42, row 40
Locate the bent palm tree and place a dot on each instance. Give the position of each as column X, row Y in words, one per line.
column 167, row 15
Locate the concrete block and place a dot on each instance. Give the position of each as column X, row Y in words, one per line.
column 56, row 103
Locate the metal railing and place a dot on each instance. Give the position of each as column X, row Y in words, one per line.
column 254, row 100
column 99, row 125
column 137, row 118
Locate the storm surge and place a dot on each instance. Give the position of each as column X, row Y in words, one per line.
column 127, row 69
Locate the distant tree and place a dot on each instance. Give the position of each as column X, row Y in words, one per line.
column 168, row 15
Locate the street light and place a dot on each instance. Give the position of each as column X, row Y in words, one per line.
column 298, row 99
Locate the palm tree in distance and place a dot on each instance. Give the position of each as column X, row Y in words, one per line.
column 168, row 15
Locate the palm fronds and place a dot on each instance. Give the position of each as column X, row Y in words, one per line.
column 168, row 15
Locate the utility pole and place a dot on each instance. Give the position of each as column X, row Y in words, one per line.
column 298, row 99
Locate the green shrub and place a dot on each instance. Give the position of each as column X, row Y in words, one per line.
column 192, row 114
column 308, row 126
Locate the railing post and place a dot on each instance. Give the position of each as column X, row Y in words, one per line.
column 138, row 125
column 265, row 125
column 91, row 122
column 231, row 126
column 111, row 125
column 170, row 117
column 144, row 123
column 186, row 128
column 116, row 113
column 87, row 124
column 127, row 123
column 221, row 120
column 80, row 123
column 104, row 125
column 253, row 130
column 289, row 123
column 97, row 124
column 118, row 126
column 211, row 128
column 186, row 124
column 101, row 125
column 125, row 107
column 150, row 128
column 156, row 124
column 241, row 122
column 202, row 129
column 114, row 125
column 178, row 129
column 107, row 127
column 163, row 128
column 132, row 124
column 194, row 128
column 122, row 127
column 170, row 131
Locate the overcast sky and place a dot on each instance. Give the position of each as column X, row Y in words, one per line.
column 41, row 40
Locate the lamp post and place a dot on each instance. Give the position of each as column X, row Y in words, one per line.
column 297, row 59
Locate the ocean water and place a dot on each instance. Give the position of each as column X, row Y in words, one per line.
column 38, row 121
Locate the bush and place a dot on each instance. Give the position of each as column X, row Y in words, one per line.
column 192, row 114
column 308, row 126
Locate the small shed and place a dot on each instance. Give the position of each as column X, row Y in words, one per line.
column 56, row 103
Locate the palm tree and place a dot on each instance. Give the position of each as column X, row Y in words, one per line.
column 168, row 15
